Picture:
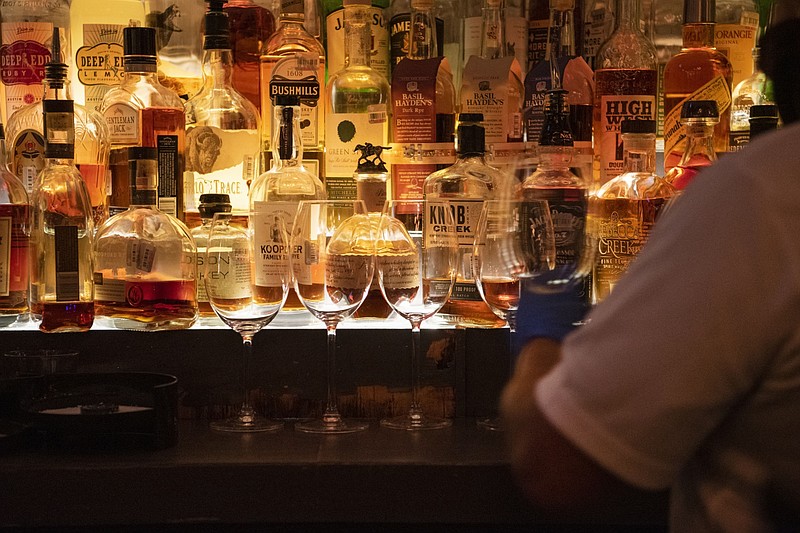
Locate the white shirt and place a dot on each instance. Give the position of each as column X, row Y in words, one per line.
column 688, row 374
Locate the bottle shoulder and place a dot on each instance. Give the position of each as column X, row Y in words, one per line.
column 12, row 190
column 141, row 93
column 290, row 39
column 690, row 60
column 470, row 177
column 635, row 186
column 144, row 223
column 290, row 184
column 627, row 50
column 224, row 108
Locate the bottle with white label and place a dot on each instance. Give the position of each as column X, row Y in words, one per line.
column 465, row 185
column 26, row 29
column 62, row 262
column 210, row 204
column 142, row 112
column 335, row 29
column 274, row 198
column 358, row 104
column 222, row 127
column 96, row 33
column 144, row 274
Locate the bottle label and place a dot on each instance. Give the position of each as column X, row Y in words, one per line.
column 344, row 132
column 271, row 248
column 23, row 55
column 140, row 255
column 492, row 87
column 739, row 139
column 414, row 100
column 5, row 255
column 737, row 41
column 537, row 41
column 220, row 162
column 67, row 259
column 399, row 271
column 27, row 158
column 674, row 134
column 352, row 272
column 614, row 109
column 168, row 172
column 298, row 74
column 399, row 37
column 537, row 83
column 228, row 273
column 466, row 214
column 123, row 124
column 109, row 289
column 99, row 61
column 379, row 56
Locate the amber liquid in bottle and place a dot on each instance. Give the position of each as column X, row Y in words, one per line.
column 154, row 301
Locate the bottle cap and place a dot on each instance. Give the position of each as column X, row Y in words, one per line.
column 214, row 203
column 699, row 109
column 217, row 27
column 764, row 111
column 470, row 134
column 142, row 152
column 638, row 126
column 139, row 41
column 55, row 71
column 287, row 100
column 699, row 11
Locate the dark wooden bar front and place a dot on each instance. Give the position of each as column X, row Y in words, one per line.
column 210, row 481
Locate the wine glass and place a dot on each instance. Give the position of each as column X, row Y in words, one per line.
column 229, row 281
column 332, row 262
column 514, row 242
column 417, row 269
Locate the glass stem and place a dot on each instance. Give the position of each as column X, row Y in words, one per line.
column 331, row 416
column 246, row 413
column 415, row 413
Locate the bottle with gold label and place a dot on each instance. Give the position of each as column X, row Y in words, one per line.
column 96, row 34
column 625, row 208
column 293, row 62
column 142, row 112
column 92, row 138
column 698, row 71
column 466, row 185
column 222, row 127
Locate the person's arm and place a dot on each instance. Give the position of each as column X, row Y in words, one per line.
column 558, row 478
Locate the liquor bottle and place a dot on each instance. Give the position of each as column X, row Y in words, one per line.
column 698, row 72
column 142, row 112
column 465, row 185
column 371, row 177
column 357, row 102
column 96, row 33
column 763, row 118
column 446, row 21
column 698, row 118
column 251, row 25
column 626, row 207
column 293, row 62
column 26, row 29
column 222, row 127
column 666, row 33
column 751, row 91
column 61, row 231
column 562, row 68
column 14, row 243
column 335, row 29
column 274, row 198
column 145, row 270
column 25, row 133
column 179, row 43
column 423, row 109
column 492, row 86
column 735, row 34
column 514, row 29
column 210, row 204
column 626, row 84
column 566, row 192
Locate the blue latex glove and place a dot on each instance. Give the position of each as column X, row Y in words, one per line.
column 549, row 314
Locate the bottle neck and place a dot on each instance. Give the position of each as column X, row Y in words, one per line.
column 140, row 68
column 217, row 68
column 561, row 35
column 699, row 143
column 493, row 40
column 639, row 153
column 357, row 36
column 698, row 35
column 627, row 15
column 555, row 157
column 287, row 146
column 422, row 34
column 144, row 182
column 56, row 90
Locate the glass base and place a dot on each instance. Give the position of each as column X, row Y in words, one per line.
column 416, row 422
column 491, row 424
column 246, row 425
column 342, row 425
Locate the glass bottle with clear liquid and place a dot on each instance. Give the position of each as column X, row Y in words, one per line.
column 274, row 199
column 222, row 127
